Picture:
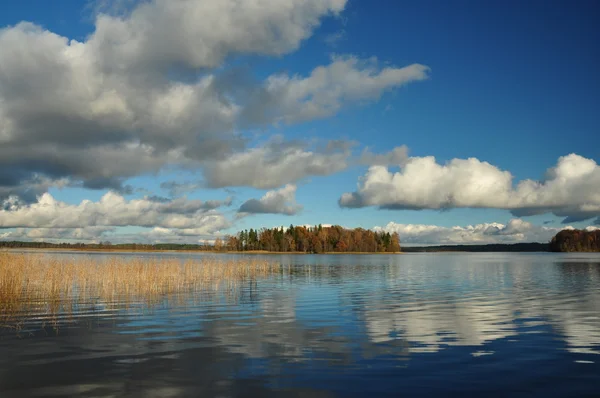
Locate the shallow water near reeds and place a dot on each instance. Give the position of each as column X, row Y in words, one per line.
column 517, row 325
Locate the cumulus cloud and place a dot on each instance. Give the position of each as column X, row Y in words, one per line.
column 92, row 234
column 161, row 219
column 515, row 231
column 13, row 189
column 571, row 189
column 159, row 31
column 151, row 88
column 280, row 162
column 113, row 210
column 277, row 163
column 398, row 156
column 112, row 234
column 170, row 235
column 281, row 201
column 328, row 88
column 179, row 188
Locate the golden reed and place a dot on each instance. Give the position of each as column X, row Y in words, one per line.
column 50, row 285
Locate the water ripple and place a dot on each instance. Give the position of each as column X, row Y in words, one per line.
column 505, row 324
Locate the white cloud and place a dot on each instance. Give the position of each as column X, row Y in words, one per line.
column 515, row 231
column 170, row 235
column 328, row 88
column 92, row 234
column 281, row 201
column 159, row 31
column 280, row 162
column 152, row 88
column 397, row 156
column 571, row 189
column 115, row 235
column 275, row 164
column 113, row 210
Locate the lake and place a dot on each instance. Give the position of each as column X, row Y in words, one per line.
column 415, row 325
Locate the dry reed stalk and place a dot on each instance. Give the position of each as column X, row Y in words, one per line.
column 32, row 284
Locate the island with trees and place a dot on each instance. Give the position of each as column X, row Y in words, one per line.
column 575, row 240
column 318, row 239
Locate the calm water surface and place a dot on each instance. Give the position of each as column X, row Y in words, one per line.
column 518, row 325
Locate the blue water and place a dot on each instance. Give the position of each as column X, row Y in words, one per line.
column 415, row 325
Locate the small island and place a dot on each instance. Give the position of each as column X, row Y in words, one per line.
column 318, row 239
column 575, row 240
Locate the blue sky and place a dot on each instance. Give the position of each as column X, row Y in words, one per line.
column 513, row 84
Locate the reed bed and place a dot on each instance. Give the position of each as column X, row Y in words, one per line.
column 53, row 286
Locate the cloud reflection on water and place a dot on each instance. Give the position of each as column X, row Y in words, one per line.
column 336, row 318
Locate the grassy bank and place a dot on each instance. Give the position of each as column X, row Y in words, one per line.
column 49, row 285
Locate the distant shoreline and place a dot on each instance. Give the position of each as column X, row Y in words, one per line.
column 531, row 247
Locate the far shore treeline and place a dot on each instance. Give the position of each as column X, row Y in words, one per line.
column 574, row 240
column 333, row 239
column 317, row 239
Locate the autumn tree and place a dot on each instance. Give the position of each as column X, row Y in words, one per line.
column 576, row 241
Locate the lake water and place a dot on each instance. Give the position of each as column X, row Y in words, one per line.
column 415, row 325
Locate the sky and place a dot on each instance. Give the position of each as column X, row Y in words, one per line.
column 449, row 122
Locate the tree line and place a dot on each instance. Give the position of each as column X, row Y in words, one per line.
column 321, row 239
column 574, row 240
column 316, row 239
